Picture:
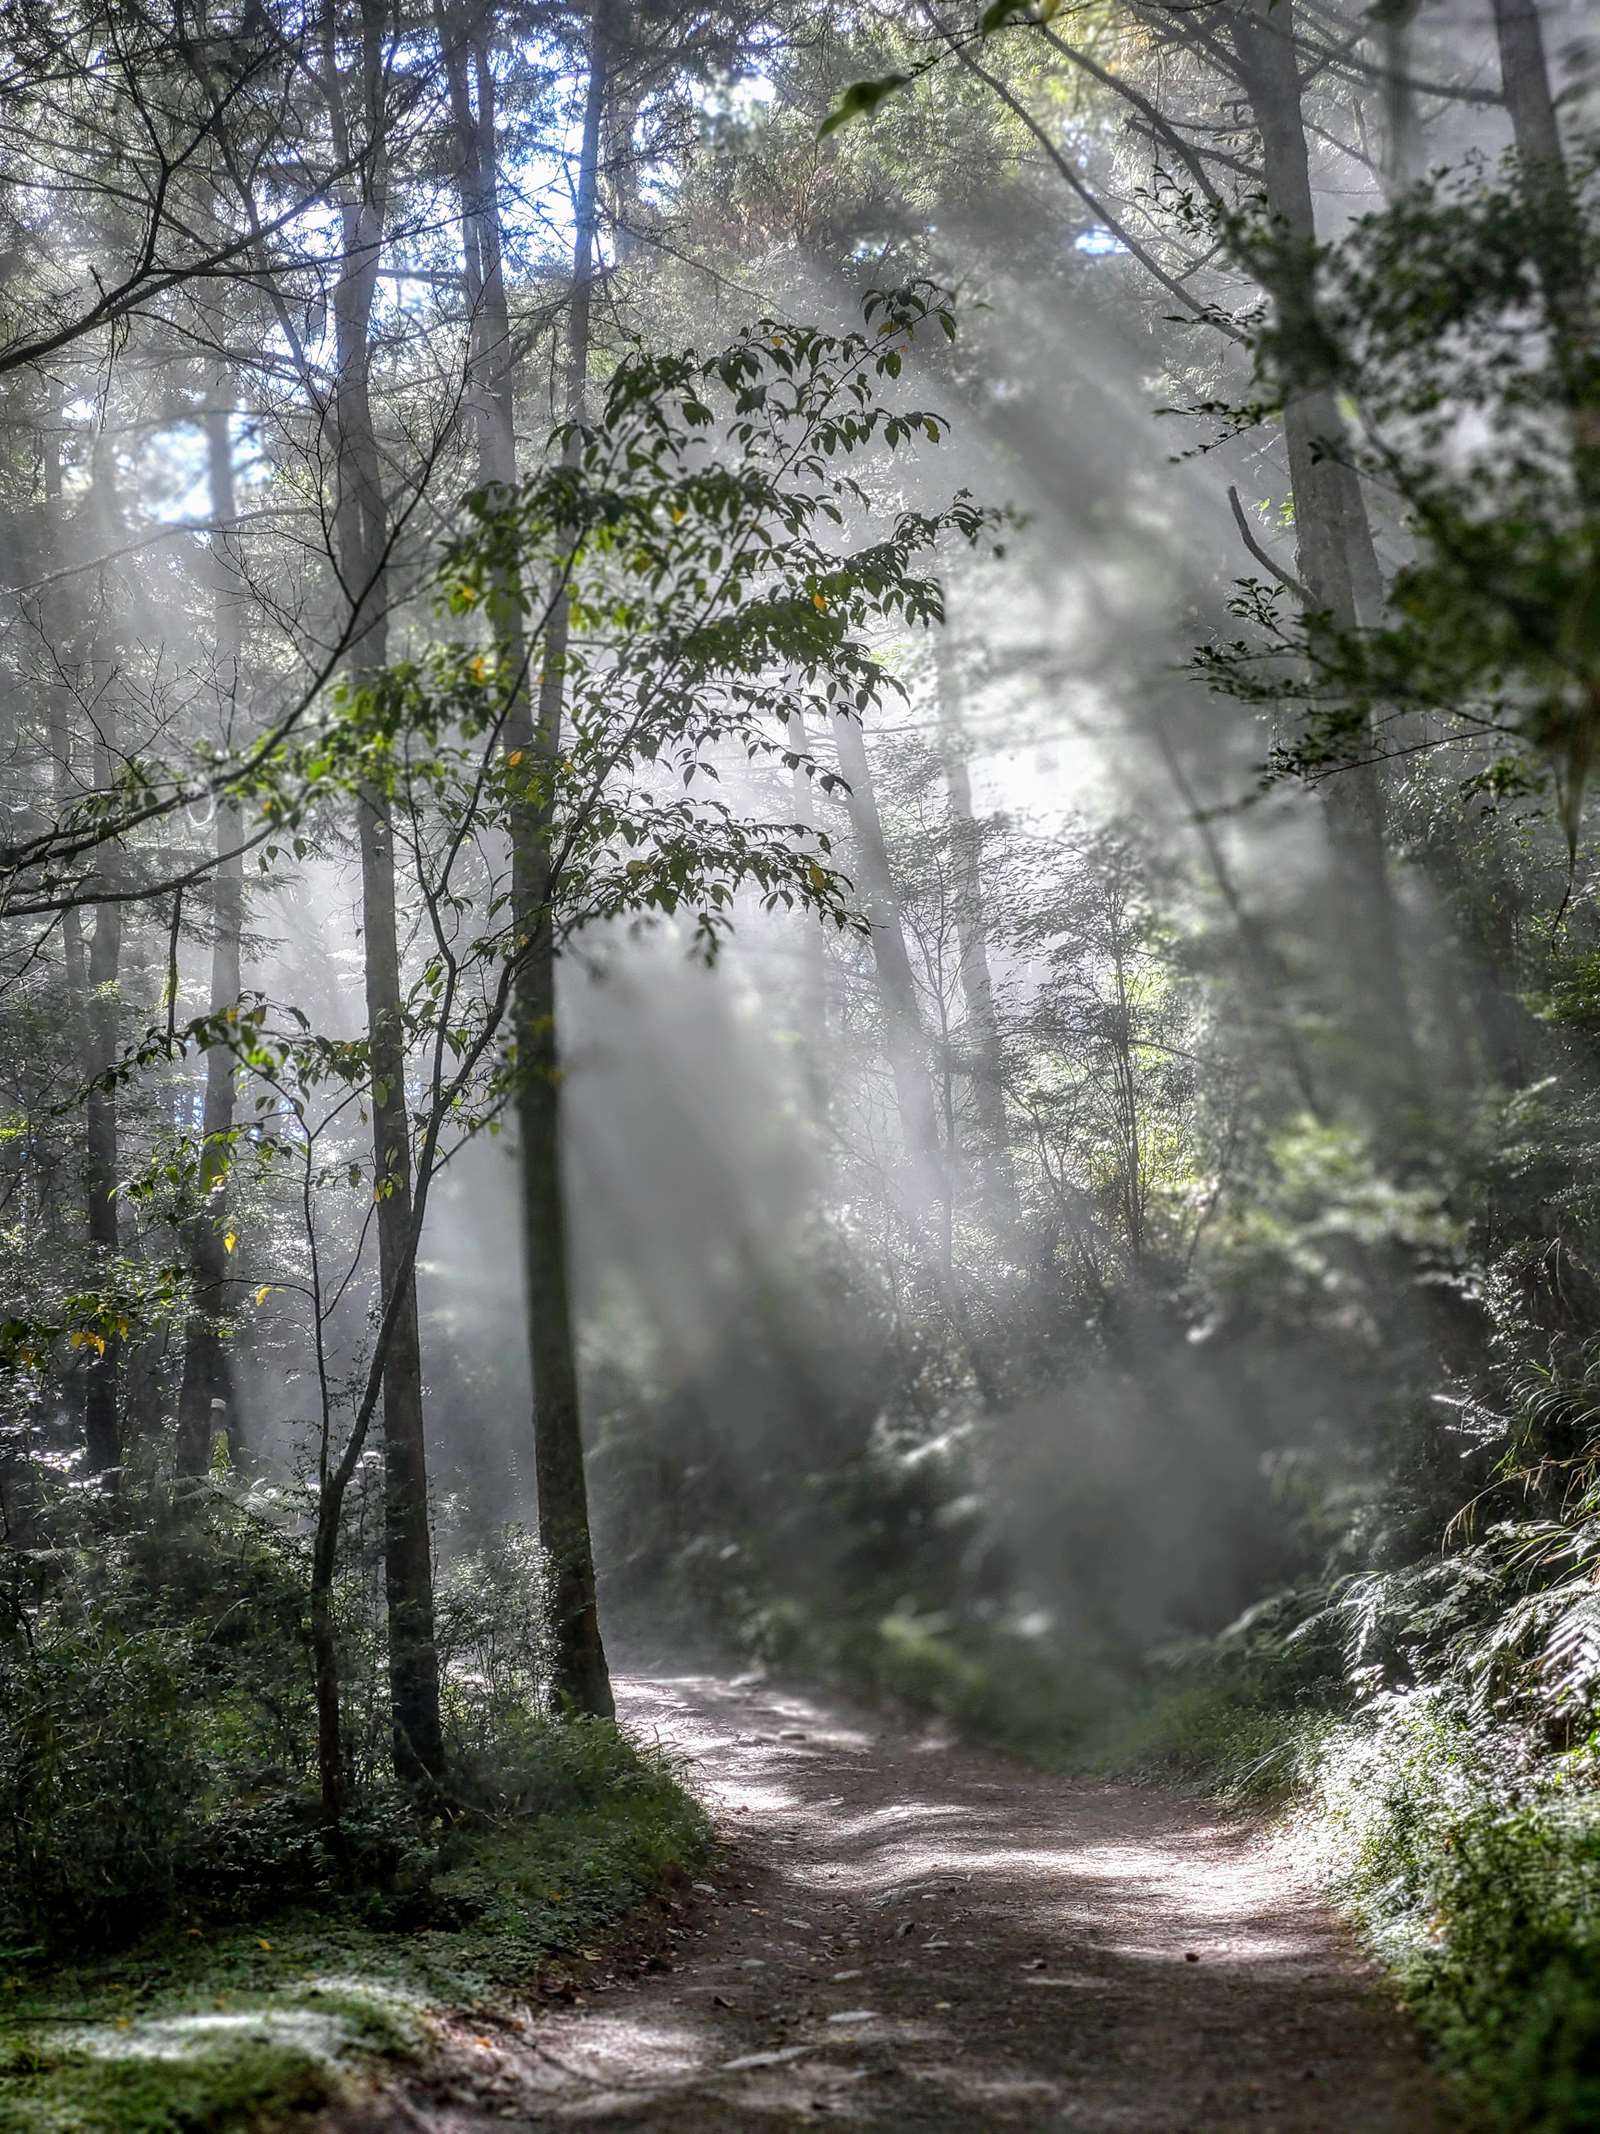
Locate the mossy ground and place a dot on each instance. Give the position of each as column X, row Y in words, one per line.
column 218, row 2028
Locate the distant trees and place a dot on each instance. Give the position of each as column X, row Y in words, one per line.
column 428, row 561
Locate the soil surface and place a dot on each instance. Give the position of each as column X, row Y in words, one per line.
column 905, row 1932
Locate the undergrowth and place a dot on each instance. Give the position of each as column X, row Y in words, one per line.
column 1464, row 1847
column 217, row 2026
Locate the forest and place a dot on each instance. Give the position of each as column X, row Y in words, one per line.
column 799, row 1065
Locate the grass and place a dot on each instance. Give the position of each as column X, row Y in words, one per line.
column 1465, row 1852
column 251, row 2023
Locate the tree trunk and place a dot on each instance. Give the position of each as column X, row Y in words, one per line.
column 813, row 1002
column 581, row 1679
column 206, row 1394
column 897, row 987
column 102, row 1422
column 1337, row 559
column 361, row 533
column 986, row 1061
column 48, row 616
column 1558, row 240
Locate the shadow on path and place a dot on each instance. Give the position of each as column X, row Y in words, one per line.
column 909, row 1933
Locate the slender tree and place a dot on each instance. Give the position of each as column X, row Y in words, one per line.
column 361, row 538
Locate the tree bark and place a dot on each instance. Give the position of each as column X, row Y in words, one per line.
column 813, row 1003
column 102, row 1420
column 361, row 534
column 581, row 1679
column 207, row 1370
column 1558, row 241
column 904, row 1040
column 1337, row 559
column 986, row 1060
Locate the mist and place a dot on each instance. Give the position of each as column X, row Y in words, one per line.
column 798, row 1076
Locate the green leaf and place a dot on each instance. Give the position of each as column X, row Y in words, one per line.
column 859, row 101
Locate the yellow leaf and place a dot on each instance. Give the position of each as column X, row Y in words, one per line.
column 263, row 1944
column 479, row 669
column 819, row 603
column 515, row 756
column 230, row 1241
column 263, row 1293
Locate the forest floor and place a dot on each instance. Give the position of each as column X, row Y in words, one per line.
column 904, row 1932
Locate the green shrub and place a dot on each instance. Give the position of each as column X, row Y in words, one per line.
column 1474, row 1866
column 102, row 1769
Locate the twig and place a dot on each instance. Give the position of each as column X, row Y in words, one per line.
column 1247, row 535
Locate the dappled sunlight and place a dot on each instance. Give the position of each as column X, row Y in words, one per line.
column 959, row 1954
column 179, row 2037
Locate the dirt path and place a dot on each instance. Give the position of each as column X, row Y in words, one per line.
column 907, row 1934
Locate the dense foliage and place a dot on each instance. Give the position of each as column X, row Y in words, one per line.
column 939, row 948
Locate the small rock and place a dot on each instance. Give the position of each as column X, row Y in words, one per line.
column 1191, row 1956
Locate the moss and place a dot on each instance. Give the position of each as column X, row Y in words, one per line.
column 209, row 2088
column 204, row 2028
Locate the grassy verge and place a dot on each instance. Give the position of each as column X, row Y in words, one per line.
column 221, row 2027
column 1466, row 1852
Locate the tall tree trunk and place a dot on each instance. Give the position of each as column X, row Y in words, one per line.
column 581, row 1677
column 904, row 1039
column 206, row 1394
column 986, row 1061
column 1338, row 562
column 49, row 618
column 929, row 1168
column 1559, row 253
column 361, row 532
column 813, row 1002
column 102, row 1421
